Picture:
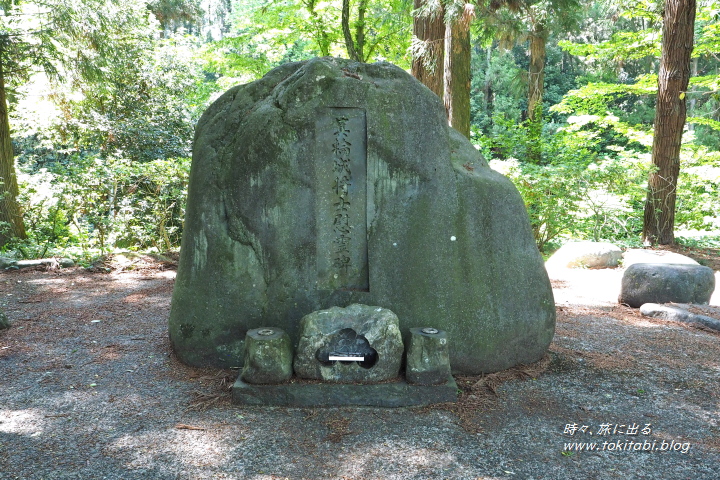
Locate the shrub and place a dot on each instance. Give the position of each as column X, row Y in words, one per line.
column 584, row 188
column 104, row 203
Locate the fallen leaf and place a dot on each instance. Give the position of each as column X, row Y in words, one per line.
column 182, row 426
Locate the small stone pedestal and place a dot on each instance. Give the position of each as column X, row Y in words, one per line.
column 268, row 356
column 428, row 359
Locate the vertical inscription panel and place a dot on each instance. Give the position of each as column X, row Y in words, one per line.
column 341, row 192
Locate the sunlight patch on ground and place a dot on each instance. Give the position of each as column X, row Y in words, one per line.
column 643, row 323
column 21, row 421
column 604, row 286
column 196, row 448
column 406, row 458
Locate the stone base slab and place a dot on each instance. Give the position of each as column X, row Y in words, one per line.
column 303, row 394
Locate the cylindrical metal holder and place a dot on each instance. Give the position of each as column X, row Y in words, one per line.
column 268, row 356
column 428, row 358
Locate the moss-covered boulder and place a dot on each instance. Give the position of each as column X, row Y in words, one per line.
column 666, row 283
column 330, row 182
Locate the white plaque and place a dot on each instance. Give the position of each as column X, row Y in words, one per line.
column 339, row 358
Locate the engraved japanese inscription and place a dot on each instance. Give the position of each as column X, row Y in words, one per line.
column 341, row 207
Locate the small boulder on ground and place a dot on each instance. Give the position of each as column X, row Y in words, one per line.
column 665, row 283
column 45, row 262
column 586, row 254
column 6, row 262
column 639, row 255
column 682, row 313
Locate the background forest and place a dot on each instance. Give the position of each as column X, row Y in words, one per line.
column 102, row 97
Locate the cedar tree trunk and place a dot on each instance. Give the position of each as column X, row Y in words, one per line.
column 428, row 67
column 457, row 70
column 536, row 75
column 536, row 79
column 11, row 223
column 355, row 47
column 670, row 112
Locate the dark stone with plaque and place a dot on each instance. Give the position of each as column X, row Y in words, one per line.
column 359, row 343
column 347, row 346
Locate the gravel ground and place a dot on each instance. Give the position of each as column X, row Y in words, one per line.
column 90, row 390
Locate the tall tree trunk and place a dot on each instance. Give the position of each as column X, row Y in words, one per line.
column 670, row 112
column 488, row 91
column 693, row 99
column 355, row 47
column 457, row 70
column 536, row 73
column 360, row 30
column 11, row 223
column 536, row 80
column 427, row 66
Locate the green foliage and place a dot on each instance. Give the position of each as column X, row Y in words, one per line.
column 268, row 33
column 699, row 241
column 104, row 204
column 622, row 46
column 496, row 88
column 145, row 105
column 44, row 215
column 173, row 12
column 698, row 196
column 622, row 69
column 103, row 151
column 585, row 189
column 499, row 87
column 593, row 182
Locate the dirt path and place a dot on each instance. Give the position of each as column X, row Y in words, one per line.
column 90, row 390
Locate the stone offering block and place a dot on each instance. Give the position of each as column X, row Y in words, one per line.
column 331, row 182
column 359, row 343
column 268, row 356
column 664, row 283
column 428, row 358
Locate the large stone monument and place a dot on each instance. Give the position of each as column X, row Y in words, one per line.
column 329, row 183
